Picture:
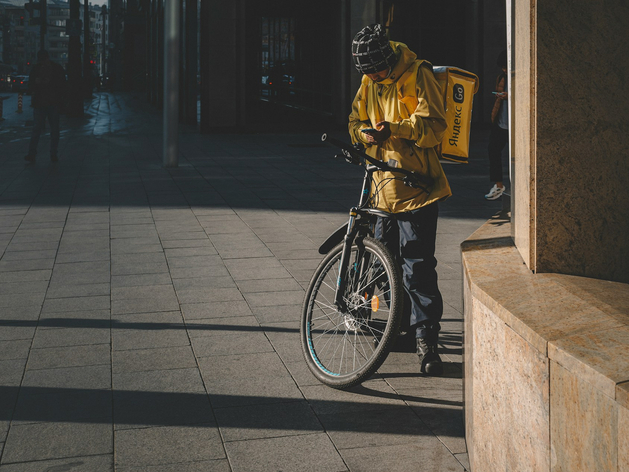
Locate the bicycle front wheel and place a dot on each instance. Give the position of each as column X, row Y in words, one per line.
column 345, row 347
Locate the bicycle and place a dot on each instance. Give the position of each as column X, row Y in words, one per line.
column 352, row 309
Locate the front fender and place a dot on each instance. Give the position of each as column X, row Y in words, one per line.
column 333, row 239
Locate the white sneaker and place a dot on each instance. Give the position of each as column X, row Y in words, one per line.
column 495, row 192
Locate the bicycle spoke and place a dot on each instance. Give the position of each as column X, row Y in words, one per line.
column 372, row 281
column 333, row 329
column 330, row 307
column 323, row 349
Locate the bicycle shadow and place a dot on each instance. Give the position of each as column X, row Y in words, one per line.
column 451, row 370
column 369, row 392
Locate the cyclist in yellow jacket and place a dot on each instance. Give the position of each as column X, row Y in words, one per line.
column 398, row 114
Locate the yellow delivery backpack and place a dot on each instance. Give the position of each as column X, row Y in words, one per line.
column 458, row 87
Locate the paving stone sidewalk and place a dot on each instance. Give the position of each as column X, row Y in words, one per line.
column 149, row 318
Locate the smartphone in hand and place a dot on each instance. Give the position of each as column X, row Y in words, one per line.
column 369, row 130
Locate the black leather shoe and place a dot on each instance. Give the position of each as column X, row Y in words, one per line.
column 429, row 359
column 30, row 159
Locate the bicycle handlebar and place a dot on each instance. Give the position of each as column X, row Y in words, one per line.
column 412, row 179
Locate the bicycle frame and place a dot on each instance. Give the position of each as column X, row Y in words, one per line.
column 362, row 217
column 360, row 220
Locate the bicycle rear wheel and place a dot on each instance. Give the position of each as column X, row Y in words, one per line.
column 344, row 348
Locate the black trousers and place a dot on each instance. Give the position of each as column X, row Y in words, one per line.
column 411, row 237
column 498, row 139
column 39, row 116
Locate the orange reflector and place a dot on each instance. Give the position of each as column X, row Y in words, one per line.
column 375, row 303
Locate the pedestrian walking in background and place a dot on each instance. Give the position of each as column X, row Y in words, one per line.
column 499, row 136
column 398, row 114
column 47, row 86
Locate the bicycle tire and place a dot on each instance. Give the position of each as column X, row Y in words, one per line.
column 344, row 349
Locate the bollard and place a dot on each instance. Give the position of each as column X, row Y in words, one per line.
column 19, row 102
column 2, row 106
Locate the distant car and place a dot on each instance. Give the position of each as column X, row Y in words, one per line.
column 279, row 81
column 19, row 83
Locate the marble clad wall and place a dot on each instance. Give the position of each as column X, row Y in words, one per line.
column 468, row 371
column 522, row 129
column 546, row 364
column 510, row 410
column 623, row 439
column 571, row 136
column 578, row 406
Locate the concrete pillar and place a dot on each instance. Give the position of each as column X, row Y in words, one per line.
column 87, row 70
column 204, row 65
column 155, row 55
column 570, row 137
column 116, row 39
column 149, row 51
column 75, row 98
column 172, row 35
column 189, row 79
column 160, row 53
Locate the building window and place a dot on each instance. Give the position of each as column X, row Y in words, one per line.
column 278, row 78
column 296, row 71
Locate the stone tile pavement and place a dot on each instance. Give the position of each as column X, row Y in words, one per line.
column 149, row 318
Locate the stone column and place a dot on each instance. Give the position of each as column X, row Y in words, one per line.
column 149, row 51
column 546, row 333
column 160, row 53
column 75, row 99
column 87, row 72
column 570, row 137
column 172, row 37
column 204, row 65
column 190, row 78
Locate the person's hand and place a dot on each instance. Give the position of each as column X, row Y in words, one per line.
column 502, row 96
column 382, row 133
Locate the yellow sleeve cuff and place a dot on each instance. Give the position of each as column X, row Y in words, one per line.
column 403, row 129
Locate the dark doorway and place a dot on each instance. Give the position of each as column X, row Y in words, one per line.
column 290, row 62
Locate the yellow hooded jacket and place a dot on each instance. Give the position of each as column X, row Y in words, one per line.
column 411, row 100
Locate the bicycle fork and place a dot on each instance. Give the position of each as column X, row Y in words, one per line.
column 345, row 269
column 350, row 236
